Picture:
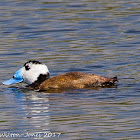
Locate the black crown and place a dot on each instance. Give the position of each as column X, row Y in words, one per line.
column 31, row 61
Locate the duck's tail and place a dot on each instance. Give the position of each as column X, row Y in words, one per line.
column 109, row 81
column 115, row 79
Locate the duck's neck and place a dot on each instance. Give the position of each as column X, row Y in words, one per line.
column 40, row 79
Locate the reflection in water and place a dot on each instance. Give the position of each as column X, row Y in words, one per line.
column 28, row 110
column 37, row 113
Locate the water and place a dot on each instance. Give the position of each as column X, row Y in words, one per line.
column 101, row 37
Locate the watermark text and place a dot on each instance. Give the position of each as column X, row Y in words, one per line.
column 46, row 134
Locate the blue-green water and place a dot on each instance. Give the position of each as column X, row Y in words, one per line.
column 99, row 36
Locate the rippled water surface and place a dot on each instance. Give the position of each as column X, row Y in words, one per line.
column 93, row 36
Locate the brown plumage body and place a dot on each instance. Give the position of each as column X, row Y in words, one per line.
column 75, row 80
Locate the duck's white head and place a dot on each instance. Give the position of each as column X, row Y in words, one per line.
column 33, row 73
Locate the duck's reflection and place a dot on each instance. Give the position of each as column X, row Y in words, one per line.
column 32, row 109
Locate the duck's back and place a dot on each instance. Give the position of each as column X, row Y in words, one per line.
column 76, row 80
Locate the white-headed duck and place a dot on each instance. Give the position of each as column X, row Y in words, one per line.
column 36, row 75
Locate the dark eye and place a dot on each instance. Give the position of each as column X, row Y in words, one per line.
column 27, row 67
column 13, row 76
